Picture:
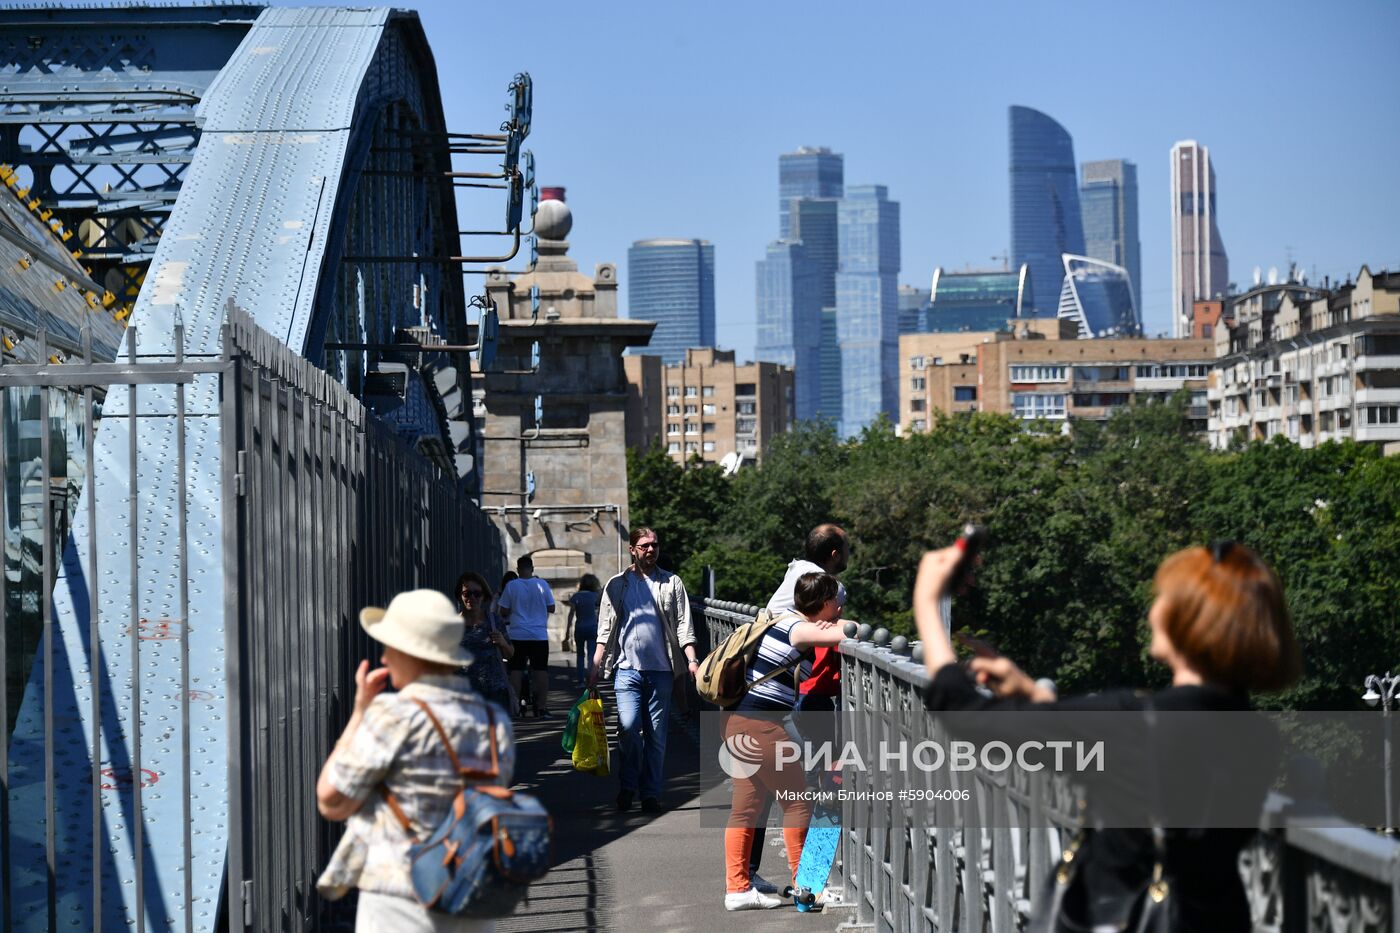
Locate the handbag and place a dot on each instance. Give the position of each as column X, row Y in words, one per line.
column 492, row 844
column 1065, row 906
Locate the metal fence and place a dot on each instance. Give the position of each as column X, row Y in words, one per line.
column 195, row 658
column 987, row 872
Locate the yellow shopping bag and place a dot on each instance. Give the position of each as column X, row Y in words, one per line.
column 591, row 741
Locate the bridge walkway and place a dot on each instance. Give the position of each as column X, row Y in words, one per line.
column 633, row 871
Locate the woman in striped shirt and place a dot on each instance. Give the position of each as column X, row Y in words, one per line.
column 783, row 660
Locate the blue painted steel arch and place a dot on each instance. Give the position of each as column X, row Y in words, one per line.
column 274, row 196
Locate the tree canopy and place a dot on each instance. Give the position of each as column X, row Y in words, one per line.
column 1079, row 522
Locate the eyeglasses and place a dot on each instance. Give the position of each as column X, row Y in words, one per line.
column 473, row 594
column 1219, row 550
column 645, row 545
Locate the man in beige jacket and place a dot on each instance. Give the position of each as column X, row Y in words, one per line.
column 646, row 642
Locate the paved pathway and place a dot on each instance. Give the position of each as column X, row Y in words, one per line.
column 633, row 872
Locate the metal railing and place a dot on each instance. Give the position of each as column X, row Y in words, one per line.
column 986, row 873
column 195, row 658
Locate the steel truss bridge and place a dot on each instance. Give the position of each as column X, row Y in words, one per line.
column 267, row 198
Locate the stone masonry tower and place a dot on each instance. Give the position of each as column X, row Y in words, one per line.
column 554, row 478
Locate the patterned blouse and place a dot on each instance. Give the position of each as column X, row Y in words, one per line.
column 487, row 672
column 396, row 744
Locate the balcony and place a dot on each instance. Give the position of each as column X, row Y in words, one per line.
column 1377, row 433
column 1378, row 396
column 1367, row 362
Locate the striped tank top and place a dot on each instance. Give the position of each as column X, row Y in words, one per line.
column 775, row 650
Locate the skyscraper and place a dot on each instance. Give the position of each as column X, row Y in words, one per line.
column 1045, row 221
column 789, row 320
column 1097, row 296
column 810, row 172
column 867, row 306
column 913, row 308
column 1109, row 201
column 672, row 282
column 977, row 300
column 1200, row 268
column 797, row 277
column 829, row 405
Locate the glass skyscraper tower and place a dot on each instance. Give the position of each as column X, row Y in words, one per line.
column 796, row 279
column 1045, row 220
column 810, row 172
column 789, row 320
column 1109, row 200
column 867, row 306
column 1200, row 268
column 672, row 282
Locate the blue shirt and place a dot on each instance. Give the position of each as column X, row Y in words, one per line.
column 642, row 639
column 585, row 603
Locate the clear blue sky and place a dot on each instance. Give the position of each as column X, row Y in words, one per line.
column 667, row 119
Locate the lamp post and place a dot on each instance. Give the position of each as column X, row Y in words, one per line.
column 1384, row 690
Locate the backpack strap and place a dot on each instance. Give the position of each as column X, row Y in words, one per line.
column 465, row 774
column 792, row 665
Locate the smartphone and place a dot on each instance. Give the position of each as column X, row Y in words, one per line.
column 972, row 542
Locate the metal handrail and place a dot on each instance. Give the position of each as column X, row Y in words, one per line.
column 985, row 875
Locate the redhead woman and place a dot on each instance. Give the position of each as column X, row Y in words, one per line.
column 1220, row 626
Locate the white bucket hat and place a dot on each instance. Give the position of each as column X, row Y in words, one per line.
column 421, row 623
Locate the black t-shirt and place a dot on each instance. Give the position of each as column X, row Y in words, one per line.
column 1211, row 770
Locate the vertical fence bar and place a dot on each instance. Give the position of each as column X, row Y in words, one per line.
column 46, row 577
column 96, row 666
column 297, row 794
column 230, row 443
column 286, row 751
column 183, row 572
column 6, row 921
column 133, row 530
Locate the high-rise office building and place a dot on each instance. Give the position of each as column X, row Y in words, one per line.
column 829, row 405
column 1045, row 220
column 913, row 308
column 810, row 172
column 1098, row 297
column 796, row 279
column 789, row 320
column 1200, row 268
column 1108, row 199
column 977, row 300
column 672, row 282
column 813, row 221
column 867, row 305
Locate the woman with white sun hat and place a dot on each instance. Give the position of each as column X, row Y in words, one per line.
column 390, row 757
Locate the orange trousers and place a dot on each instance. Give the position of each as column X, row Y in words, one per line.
column 751, row 793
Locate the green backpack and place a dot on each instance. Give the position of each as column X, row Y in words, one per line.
column 723, row 676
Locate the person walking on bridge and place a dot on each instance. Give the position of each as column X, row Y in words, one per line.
column 646, row 637
column 526, row 604
column 390, row 754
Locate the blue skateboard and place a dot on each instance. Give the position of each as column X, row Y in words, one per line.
column 818, row 855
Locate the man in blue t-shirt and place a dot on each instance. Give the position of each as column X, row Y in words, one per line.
column 526, row 604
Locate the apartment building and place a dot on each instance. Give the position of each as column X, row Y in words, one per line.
column 709, row 405
column 1044, row 374
column 1310, row 364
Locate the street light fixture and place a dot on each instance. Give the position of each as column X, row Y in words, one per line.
column 1384, row 691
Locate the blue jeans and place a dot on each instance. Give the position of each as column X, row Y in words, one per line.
column 642, row 743
column 583, row 647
